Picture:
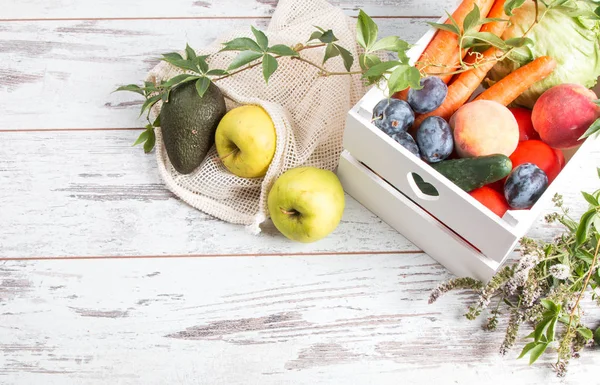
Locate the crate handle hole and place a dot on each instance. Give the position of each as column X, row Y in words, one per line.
column 423, row 189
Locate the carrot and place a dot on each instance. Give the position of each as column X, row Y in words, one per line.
column 443, row 48
column 460, row 90
column 518, row 81
column 497, row 12
column 496, row 27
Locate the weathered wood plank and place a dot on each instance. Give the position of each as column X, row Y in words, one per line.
column 293, row 320
column 76, row 9
column 61, row 74
column 89, row 193
column 92, row 194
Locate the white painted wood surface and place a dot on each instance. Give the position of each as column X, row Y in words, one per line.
column 106, row 278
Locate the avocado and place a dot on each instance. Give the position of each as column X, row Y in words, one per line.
column 188, row 124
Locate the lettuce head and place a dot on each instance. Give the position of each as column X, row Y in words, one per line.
column 568, row 33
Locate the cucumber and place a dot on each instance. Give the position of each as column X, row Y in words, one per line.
column 472, row 173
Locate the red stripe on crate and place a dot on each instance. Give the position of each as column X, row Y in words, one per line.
column 314, row 254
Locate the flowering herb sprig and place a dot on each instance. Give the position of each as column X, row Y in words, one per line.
column 544, row 288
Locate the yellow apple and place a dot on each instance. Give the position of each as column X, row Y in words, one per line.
column 245, row 140
column 306, row 203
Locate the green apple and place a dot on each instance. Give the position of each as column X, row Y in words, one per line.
column 306, row 203
column 245, row 140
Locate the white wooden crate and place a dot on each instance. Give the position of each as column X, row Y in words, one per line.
column 453, row 228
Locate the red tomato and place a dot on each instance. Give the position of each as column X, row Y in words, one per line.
column 491, row 199
column 526, row 130
column 560, row 156
column 538, row 153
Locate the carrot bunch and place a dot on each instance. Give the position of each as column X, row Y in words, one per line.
column 445, row 53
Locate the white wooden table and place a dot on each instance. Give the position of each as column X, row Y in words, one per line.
column 107, row 278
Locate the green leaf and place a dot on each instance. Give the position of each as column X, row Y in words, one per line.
column 519, row 42
column 149, row 145
column 590, row 198
column 131, row 87
column 492, row 20
column 150, row 102
column 346, row 57
column 367, row 61
column 472, row 18
column 269, row 66
column 366, row 31
column 261, row 38
column 536, row 352
column 388, row 43
column 315, row 36
column 202, row 85
column 597, row 102
column 584, row 223
column 527, row 348
column 282, row 50
column 541, row 327
column 172, row 56
column 328, row 37
column 550, row 333
column 180, row 79
column 446, row 27
column 585, row 333
column 156, row 122
column 548, row 304
column 453, row 21
column 189, row 52
column 585, row 256
column 489, row 38
column 142, row 138
column 200, row 62
column 183, row 64
column 330, row 51
column 403, row 77
column 217, row 72
column 511, row 5
column 381, row 68
column 594, row 128
column 243, row 58
column 241, row 44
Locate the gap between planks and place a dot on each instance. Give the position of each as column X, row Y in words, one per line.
column 312, row 254
column 187, row 18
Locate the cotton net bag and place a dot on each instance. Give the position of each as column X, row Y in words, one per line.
column 308, row 111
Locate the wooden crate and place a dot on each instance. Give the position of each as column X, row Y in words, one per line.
column 453, row 228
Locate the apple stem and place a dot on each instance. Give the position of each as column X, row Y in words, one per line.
column 292, row 212
column 228, row 155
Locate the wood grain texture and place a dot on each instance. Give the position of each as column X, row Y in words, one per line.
column 293, row 320
column 89, row 193
column 61, row 74
column 66, row 191
column 77, row 9
column 92, row 194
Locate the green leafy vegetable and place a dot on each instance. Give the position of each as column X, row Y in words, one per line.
column 571, row 40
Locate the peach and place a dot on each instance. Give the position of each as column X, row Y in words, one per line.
column 484, row 127
column 563, row 113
